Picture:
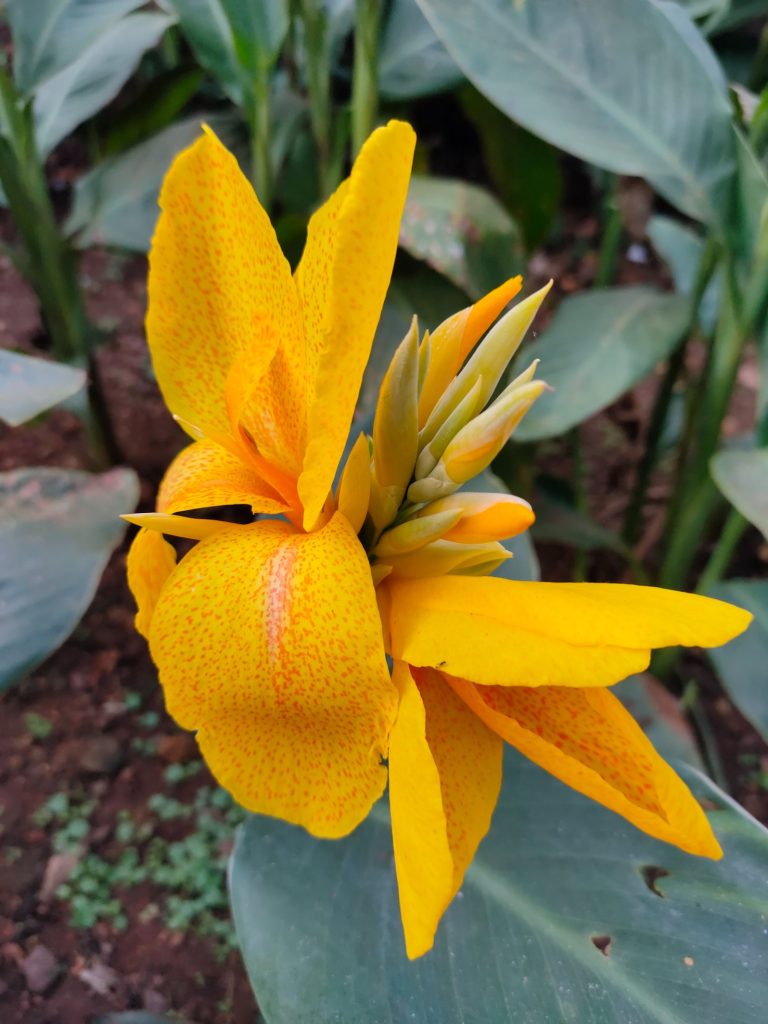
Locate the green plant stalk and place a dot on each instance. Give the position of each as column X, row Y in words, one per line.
column 660, row 413
column 46, row 259
column 723, row 551
column 698, row 496
column 580, row 556
column 365, row 92
column 610, row 246
column 259, row 118
column 318, row 65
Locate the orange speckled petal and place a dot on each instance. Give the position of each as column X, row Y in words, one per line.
column 220, row 290
column 589, row 740
column 205, row 475
column 342, row 280
column 465, row 632
column 444, row 781
column 453, row 340
column 151, row 560
column 268, row 642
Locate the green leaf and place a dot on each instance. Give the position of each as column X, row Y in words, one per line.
column 57, row 529
column 50, row 34
column 524, row 169
column 741, row 663
column 320, row 931
column 560, row 521
column 742, row 476
column 598, row 345
column 238, row 41
column 462, row 231
column 29, row 386
column 115, row 203
column 681, row 249
column 94, row 77
column 412, row 60
column 154, row 108
column 750, row 200
column 578, row 75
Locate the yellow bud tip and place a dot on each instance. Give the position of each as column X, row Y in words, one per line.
column 484, row 517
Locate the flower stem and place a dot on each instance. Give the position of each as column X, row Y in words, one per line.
column 365, row 94
column 697, row 496
column 318, row 65
column 675, row 365
column 259, row 116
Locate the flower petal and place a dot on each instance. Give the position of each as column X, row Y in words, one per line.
column 510, row 633
column 469, row 632
column 589, row 740
column 220, row 290
column 150, row 562
column 268, row 642
column 342, row 280
column 204, row 475
column 444, row 781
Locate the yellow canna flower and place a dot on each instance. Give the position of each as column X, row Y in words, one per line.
column 271, row 639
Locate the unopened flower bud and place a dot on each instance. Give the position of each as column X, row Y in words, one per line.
column 415, row 533
column 354, row 491
column 489, row 361
column 484, row 517
column 395, row 425
column 444, row 556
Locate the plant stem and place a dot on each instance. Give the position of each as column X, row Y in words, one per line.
column 697, row 496
column 365, row 94
column 722, row 552
column 580, row 557
column 318, row 64
column 259, row 123
column 613, row 232
column 706, row 268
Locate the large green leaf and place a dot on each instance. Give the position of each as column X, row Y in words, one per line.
column 462, row 231
column 94, row 77
column 238, row 41
column 564, row 917
column 681, row 248
column 412, row 60
column 29, row 386
column 116, row 202
column 50, row 34
column 524, row 169
column 742, row 476
column 581, row 76
column 741, row 663
column 57, row 529
column 599, row 345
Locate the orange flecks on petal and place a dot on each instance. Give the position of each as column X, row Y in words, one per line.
column 480, row 634
column 151, row 560
column 220, row 290
column 454, row 339
column 342, row 281
column 444, row 780
column 205, row 475
column 509, row 633
column 268, row 642
column 589, row 740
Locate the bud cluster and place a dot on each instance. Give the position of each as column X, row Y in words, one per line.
column 433, row 431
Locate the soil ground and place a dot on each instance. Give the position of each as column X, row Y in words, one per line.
column 108, row 749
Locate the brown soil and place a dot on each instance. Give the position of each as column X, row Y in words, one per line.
column 82, row 689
